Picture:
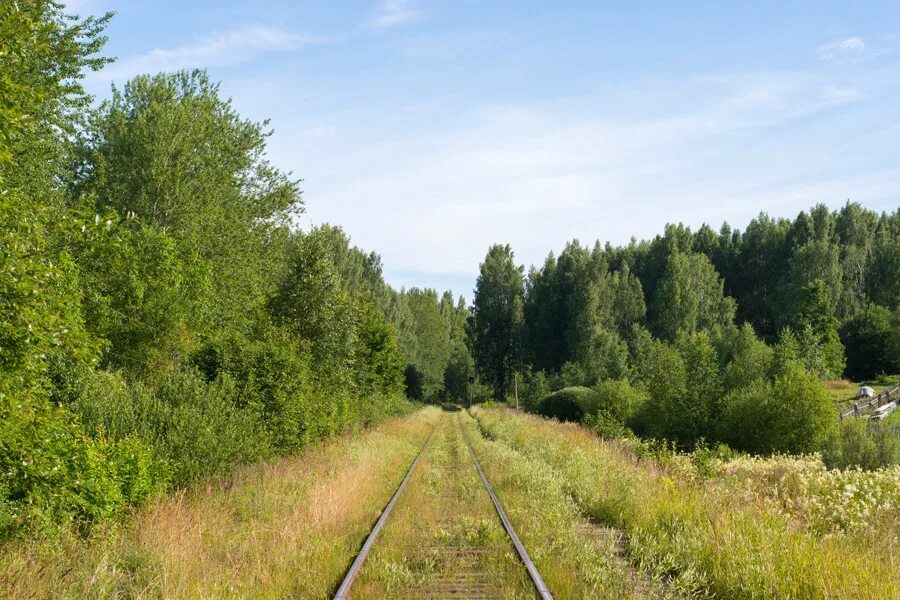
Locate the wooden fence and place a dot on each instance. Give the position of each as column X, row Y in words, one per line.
column 888, row 396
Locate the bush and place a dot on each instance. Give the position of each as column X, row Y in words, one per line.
column 747, row 417
column 533, row 386
column 804, row 416
column 616, row 398
column 385, row 406
column 103, row 403
column 567, row 404
column 273, row 380
column 862, row 443
column 139, row 473
column 606, row 426
column 197, row 427
column 792, row 416
column 52, row 472
column 571, row 374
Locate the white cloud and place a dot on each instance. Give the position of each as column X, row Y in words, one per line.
column 850, row 46
column 536, row 176
column 229, row 48
column 392, row 12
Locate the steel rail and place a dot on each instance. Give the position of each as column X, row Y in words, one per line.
column 542, row 589
column 343, row 592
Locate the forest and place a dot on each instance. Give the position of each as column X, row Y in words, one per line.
column 163, row 319
column 703, row 337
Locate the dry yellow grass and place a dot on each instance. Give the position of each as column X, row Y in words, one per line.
column 285, row 529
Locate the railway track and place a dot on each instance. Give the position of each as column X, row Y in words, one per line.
column 462, row 575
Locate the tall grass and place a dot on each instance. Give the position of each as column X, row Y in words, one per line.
column 287, row 528
column 443, row 526
column 576, row 559
column 708, row 539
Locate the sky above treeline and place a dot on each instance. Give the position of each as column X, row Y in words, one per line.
column 430, row 130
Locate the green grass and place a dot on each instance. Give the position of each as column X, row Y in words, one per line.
column 708, row 538
column 576, row 558
column 444, row 507
column 843, row 392
column 283, row 529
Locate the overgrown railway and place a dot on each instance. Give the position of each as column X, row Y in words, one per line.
column 462, row 576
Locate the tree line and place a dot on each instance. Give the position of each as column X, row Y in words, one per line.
column 161, row 316
column 703, row 337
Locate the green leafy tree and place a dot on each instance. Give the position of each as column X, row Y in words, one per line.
column 311, row 302
column 689, row 297
column 664, row 374
column 751, row 360
column 379, row 362
column 137, row 298
column 169, row 149
column 884, row 265
column 868, row 337
column 461, row 365
column 497, row 319
column 432, row 333
column 813, row 311
column 50, row 470
column 702, row 402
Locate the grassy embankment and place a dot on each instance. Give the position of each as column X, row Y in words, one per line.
column 284, row 529
column 444, row 533
column 751, row 528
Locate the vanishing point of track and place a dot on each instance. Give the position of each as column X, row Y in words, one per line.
column 343, row 592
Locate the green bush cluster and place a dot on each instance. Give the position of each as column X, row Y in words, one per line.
column 862, row 444
column 567, row 404
column 162, row 320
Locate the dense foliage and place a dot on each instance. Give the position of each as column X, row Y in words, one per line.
column 161, row 317
column 703, row 336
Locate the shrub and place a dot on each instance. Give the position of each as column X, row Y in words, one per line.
column 197, row 427
column 103, row 403
column 139, row 473
column 804, row 416
column 533, row 386
column 273, row 380
column 616, row 398
column 572, row 374
column 606, row 426
column 567, row 404
column 747, row 417
column 51, row 471
column 793, row 416
column 864, row 444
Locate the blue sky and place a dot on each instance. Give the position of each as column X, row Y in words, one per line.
column 430, row 130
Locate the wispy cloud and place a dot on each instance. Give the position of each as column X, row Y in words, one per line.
column 538, row 174
column 393, row 12
column 228, row 48
column 851, row 46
